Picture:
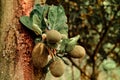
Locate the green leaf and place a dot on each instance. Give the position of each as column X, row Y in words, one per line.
column 71, row 43
column 63, row 29
column 118, row 13
column 36, row 24
column 38, row 9
column 109, row 64
column 25, row 20
column 36, row 20
column 109, row 10
column 36, row 29
column 38, row 14
column 57, row 18
column 105, row 3
column 63, row 45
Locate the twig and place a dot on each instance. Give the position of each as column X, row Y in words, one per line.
column 108, row 54
column 86, row 49
column 72, row 72
column 112, row 49
column 102, row 37
column 77, row 66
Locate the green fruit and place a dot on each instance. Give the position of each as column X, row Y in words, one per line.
column 77, row 52
column 40, row 55
column 57, row 67
column 53, row 36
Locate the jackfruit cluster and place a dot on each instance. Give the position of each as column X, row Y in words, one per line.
column 53, row 37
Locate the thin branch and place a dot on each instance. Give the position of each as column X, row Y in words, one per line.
column 86, row 49
column 77, row 66
column 104, row 30
column 100, row 42
column 95, row 30
column 112, row 49
column 72, row 72
column 108, row 53
column 102, row 37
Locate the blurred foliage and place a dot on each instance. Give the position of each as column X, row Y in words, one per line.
column 98, row 23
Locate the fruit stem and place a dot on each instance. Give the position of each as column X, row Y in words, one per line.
column 45, row 69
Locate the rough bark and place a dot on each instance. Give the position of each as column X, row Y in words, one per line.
column 16, row 42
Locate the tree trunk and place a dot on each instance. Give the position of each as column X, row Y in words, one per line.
column 16, row 43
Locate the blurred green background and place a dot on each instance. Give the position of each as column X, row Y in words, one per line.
column 98, row 23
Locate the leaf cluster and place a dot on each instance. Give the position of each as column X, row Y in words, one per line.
column 46, row 17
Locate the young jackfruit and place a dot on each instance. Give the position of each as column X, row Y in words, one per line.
column 53, row 36
column 38, row 48
column 57, row 67
column 77, row 52
column 40, row 55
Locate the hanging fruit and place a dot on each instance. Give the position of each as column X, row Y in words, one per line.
column 40, row 55
column 77, row 52
column 57, row 67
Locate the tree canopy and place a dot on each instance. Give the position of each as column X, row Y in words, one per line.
column 98, row 23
